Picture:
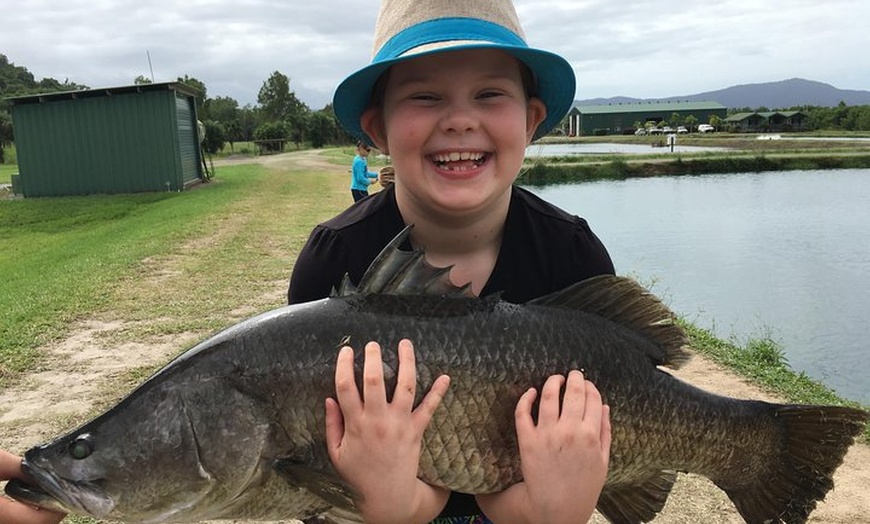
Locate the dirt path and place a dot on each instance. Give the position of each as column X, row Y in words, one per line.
column 88, row 369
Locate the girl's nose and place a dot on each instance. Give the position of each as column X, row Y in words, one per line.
column 459, row 118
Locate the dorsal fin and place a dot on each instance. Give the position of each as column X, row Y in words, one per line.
column 624, row 301
column 397, row 272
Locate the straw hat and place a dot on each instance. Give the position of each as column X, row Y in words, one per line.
column 411, row 28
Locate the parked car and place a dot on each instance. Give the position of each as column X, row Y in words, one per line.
column 667, row 129
column 705, row 128
column 682, row 129
column 640, row 131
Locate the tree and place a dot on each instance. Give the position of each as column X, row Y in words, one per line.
column 215, row 136
column 141, row 80
column 272, row 131
column 199, row 86
column 249, row 120
column 323, row 128
column 225, row 111
column 691, row 122
column 279, row 104
column 5, row 133
column 320, row 129
column 18, row 81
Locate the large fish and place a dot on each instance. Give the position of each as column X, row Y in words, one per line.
column 234, row 427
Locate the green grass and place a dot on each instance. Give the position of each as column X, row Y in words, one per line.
column 6, row 171
column 61, row 255
column 762, row 360
column 343, row 156
column 69, row 258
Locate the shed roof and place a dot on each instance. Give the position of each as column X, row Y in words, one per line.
column 104, row 91
column 737, row 117
column 647, row 107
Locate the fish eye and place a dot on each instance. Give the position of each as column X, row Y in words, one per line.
column 81, row 447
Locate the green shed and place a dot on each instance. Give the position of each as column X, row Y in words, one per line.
column 619, row 118
column 112, row 140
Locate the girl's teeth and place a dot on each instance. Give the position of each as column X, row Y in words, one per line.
column 455, row 156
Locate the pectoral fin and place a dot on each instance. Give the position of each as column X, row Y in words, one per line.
column 323, row 484
column 634, row 504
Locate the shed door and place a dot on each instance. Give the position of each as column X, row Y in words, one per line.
column 187, row 140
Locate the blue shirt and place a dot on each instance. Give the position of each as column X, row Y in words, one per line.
column 361, row 174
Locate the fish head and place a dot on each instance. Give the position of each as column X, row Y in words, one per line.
column 138, row 462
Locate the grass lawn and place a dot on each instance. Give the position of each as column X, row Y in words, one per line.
column 69, row 258
column 6, row 171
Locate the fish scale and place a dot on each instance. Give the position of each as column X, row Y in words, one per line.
column 234, row 427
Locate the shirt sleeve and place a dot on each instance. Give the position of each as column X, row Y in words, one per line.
column 319, row 267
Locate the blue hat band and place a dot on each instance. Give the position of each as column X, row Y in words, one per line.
column 445, row 30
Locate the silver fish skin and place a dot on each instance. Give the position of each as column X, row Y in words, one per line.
column 234, row 427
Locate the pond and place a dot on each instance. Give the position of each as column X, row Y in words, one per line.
column 783, row 254
column 546, row 150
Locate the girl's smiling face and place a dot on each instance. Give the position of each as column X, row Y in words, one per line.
column 456, row 126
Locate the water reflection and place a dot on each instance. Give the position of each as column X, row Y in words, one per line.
column 745, row 254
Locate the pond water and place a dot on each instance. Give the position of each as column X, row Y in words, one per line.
column 544, row 150
column 783, row 254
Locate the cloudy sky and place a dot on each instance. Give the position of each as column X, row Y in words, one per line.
column 637, row 48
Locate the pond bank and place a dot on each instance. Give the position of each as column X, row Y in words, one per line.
column 543, row 172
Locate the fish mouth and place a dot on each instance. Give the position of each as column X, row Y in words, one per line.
column 43, row 489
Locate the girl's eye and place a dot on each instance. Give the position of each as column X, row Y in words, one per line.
column 490, row 94
column 423, row 97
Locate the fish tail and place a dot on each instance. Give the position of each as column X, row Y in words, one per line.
column 813, row 442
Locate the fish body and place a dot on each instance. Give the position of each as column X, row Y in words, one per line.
column 234, row 427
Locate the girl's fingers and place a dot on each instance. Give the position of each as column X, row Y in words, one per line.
column 374, row 391
column 346, row 391
column 406, row 382
column 523, row 413
column 334, row 428
column 551, row 393
column 424, row 412
column 11, row 511
column 577, row 396
column 606, row 430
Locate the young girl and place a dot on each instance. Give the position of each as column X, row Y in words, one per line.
column 454, row 96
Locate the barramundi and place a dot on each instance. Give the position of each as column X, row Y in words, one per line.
column 234, row 427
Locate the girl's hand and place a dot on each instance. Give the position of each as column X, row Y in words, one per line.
column 564, row 457
column 14, row 512
column 375, row 445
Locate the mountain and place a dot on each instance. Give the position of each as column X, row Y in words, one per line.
column 772, row 95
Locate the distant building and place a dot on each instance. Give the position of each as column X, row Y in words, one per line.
column 112, row 140
column 613, row 119
column 763, row 122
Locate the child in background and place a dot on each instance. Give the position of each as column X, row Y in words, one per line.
column 454, row 95
column 361, row 177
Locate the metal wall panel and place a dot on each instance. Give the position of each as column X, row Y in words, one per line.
column 187, row 140
column 120, row 141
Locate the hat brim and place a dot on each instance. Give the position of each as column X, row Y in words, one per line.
column 555, row 85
